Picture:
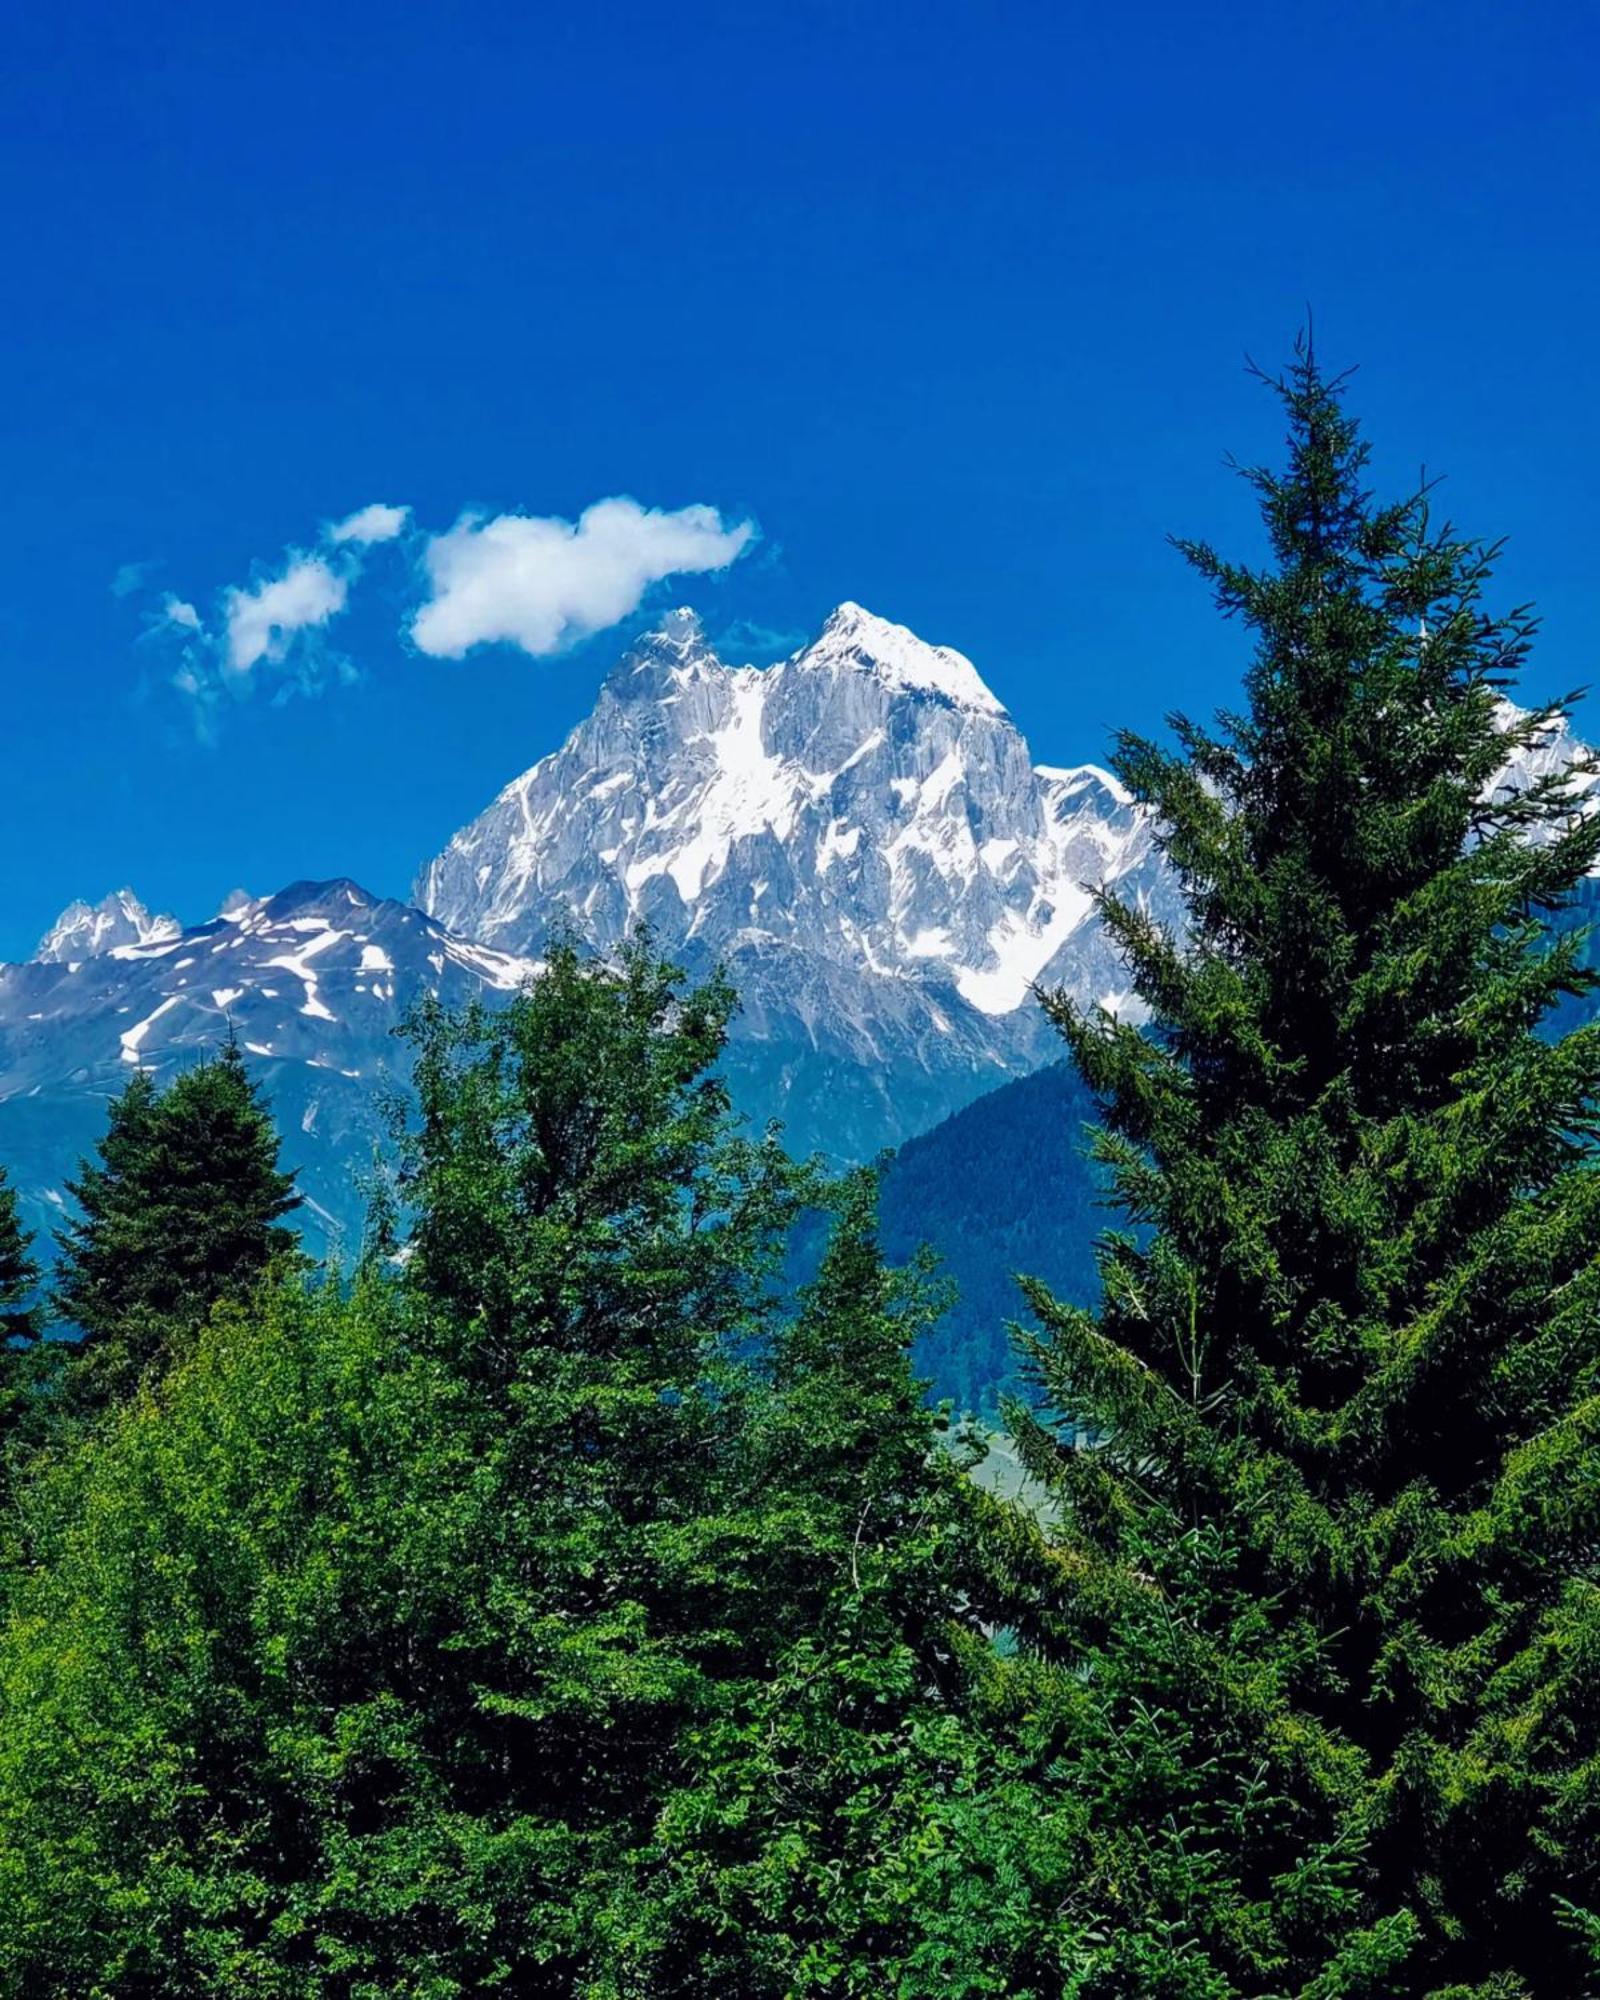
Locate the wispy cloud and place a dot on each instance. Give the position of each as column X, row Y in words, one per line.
column 368, row 525
column 543, row 584
column 264, row 639
column 180, row 613
column 132, row 576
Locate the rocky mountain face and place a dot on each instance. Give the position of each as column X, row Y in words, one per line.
column 858, row 833
column 312, row 982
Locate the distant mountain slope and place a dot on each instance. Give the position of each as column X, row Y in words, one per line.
column 859, row 833
column 1003, row 1187
column 311, row 981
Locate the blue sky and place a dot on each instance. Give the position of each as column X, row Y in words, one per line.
column 950, row 301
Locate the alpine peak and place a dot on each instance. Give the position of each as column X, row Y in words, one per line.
column 681, row 627
column 116, row 922
column 854, row 636
column 672, row 652
column 857, row 833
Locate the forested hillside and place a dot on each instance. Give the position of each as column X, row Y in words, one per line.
column 1003, row 1188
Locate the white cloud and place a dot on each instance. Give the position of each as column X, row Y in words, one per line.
column 261, row 622
column 539, row 583
column 545, row 583
column 377, row 523
column 131, row 576
column 177, row 611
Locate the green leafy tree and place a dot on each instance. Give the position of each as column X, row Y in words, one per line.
column 566, row 1615
column 572, row 1179
column 222, row 1586
column 595, row 1249
column 1327, row 1669
column 183, row 1207
column 427, row 1572
column 843, row 1824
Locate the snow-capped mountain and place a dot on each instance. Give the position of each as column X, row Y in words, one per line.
column 1557, row 751
column 85, row 930
column 311, row 981
column 858, row 832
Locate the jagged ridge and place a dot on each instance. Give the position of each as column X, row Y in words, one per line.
column 311, row 981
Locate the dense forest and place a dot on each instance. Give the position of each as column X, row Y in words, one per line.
column 565, row 1601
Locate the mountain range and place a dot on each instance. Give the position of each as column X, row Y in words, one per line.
column 858, row 834
column 312, row 982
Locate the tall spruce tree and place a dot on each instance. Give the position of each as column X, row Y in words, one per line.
column 1332, row 1636
column 20, row 1318
column 19, row 1272
column 183, row 1207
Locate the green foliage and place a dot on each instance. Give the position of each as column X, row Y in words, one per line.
column 182, row 1208
column 843, row 1825
column 1333, row 1630
column 575, row 1188
column 24, row 1362
column 204, row 1575
column 558, row 1616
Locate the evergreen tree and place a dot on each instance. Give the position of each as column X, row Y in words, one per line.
column 183, row 1207
column 22, row 1361
column 1332, row 1647
column 19, row 1274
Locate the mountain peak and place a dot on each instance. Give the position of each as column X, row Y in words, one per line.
column 337, row 897
column 681, row 627
column 674, row 650
column 863, row 812
column 854, row 636
column 89, row 930
column 679, row 637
